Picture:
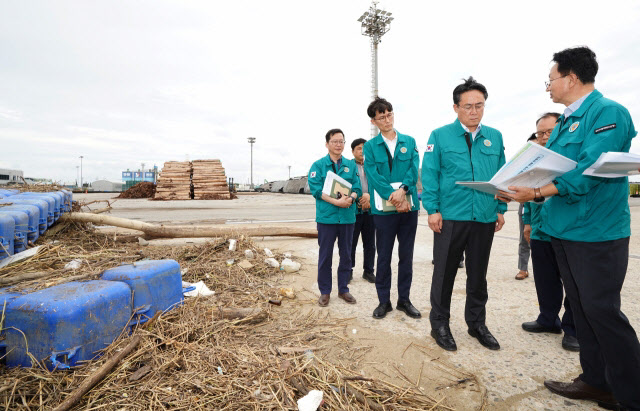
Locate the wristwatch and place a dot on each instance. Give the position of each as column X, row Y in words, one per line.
column 538, row 197
column 405, row 188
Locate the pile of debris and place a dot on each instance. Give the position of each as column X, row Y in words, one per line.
column 232, row 348
column 209, row 181
column 144, row 189
column 174, row 181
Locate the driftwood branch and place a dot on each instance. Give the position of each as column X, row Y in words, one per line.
column 162, row 231
column 96, row 377
column 25, row 277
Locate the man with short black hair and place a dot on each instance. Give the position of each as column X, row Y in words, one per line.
column 462, row 219
column 391, row 162
column 334, row 216
column 364, row 219
column 589, row 222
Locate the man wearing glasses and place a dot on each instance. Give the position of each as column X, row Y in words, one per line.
column 334, row 216
column 463, row 220
column 589, row 223
column 545, row 267
column 391, row 163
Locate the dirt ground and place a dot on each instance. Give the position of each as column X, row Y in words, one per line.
column 400, row 349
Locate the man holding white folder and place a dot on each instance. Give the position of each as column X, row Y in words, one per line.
column 334, row 183
column 462, row 219
column 589, row 222
column 391, row 162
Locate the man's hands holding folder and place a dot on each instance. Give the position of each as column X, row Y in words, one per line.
column 399, row 200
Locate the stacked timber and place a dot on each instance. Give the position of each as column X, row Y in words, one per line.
column 209, row 180
column 174, row 181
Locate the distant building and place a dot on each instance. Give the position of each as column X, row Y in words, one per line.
column 131, row 178
column 7, row 176
column 107, row 186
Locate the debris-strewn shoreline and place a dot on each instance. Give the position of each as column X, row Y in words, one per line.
column 195, row 357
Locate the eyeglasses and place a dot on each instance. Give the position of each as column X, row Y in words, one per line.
column 385, row 118
column 541, row 134
column 548, row 83
column 469, row 107
column 337, row 142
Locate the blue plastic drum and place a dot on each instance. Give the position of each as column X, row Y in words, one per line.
column 21, row 220
column 66, row 324
column 7, row 235
column 34, row 215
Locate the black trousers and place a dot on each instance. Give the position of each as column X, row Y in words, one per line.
column 364, row 225
column 549, row 289
column 402, row 226
column 593, row 274
column 456, row 237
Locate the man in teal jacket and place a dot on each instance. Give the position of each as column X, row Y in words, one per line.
column 463, row 220
column 391, row 162
column 334, row 216
column 546, row 275
column 588, row 220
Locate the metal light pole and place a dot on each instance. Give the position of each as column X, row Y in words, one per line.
column 251, row 141
column 375, row 23
column 81, row 157
column 77, row 175
column 289, row 172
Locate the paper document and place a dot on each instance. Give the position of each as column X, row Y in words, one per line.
column 533, row 166
column 386, row 205
column 612, row 165
column 336, row 186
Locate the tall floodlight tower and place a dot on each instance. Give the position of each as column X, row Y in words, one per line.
column 251, row 140
column 375, row 23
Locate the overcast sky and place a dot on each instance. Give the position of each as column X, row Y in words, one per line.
column 129, row 82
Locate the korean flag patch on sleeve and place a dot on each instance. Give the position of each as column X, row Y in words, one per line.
column 313, row 174
column 429, row 148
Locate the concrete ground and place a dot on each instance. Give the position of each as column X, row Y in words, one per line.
column 512, row 377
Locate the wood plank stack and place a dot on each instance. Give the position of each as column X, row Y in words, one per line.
column 174, row 181
column 209, row 180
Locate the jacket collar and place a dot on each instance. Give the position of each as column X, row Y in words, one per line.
column 595, row 94
column 460, row 130
column 402, row 139
column 328, row 161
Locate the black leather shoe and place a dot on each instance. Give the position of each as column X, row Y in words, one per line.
column 534, row 327
column 570, row 343
column 482, row 334
column 408, row 308
column 369, row 277
column 579, row 390
column 443, row 338
column 382, row 310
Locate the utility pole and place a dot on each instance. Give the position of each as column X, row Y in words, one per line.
column 251, row 141
column 81, row 157
column 289, row 172
column 375, row 23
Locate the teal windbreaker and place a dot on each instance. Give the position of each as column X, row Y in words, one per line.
column 382, row 170
column 327, row 213
column 447, row 160
column 586, row 208
column 531, row 216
